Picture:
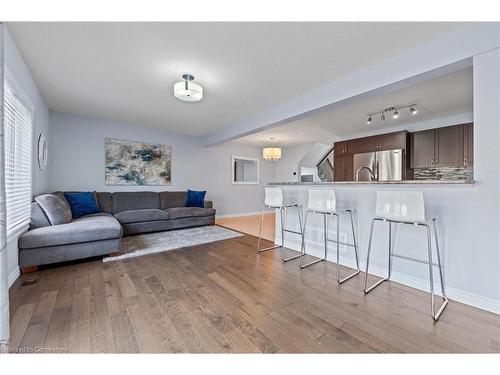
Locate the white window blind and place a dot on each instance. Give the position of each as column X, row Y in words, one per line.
column 18, row 129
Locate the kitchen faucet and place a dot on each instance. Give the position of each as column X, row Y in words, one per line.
column 372, row 176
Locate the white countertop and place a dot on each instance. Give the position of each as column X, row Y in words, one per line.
column 404, row 182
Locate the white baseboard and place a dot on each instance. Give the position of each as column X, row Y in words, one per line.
column 13, row 276
column 242, row 214
column 484, row 303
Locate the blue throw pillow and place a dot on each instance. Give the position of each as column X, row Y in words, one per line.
column 82, row 203
column 195, row 198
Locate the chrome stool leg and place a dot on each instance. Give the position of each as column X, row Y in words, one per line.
column 368, row 290
column 283, row 243
column 259, row 250
column 435, row 315
column 303, row 248
column 340, row 281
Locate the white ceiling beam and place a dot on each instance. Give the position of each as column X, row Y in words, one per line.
column 416, row 65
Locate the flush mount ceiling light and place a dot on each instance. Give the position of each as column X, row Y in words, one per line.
column 187, row 90
column 395, row 112
column 271, row 153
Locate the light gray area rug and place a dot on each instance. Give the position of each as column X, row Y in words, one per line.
column 150, row 243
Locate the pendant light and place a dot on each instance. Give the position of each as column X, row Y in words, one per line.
column 271, row 153
column 187, row 90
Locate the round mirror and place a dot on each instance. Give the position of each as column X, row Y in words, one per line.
column 42, row 152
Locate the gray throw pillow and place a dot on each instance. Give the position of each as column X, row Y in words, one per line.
column 38, row 219
column 56, row 209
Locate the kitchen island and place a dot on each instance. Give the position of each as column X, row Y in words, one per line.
column 459, row 231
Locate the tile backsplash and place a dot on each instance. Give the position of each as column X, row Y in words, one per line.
column 444, row 173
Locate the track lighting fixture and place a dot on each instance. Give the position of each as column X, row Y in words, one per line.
column 394, row 110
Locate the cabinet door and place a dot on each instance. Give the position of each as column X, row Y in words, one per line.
column 343, row 168
column 449, row 151
column 349, row 168
column 392, row 141
column 340, row 148
column 468, row 145
column 352, row 147
column 339, row 168
column 366, row 145
column 422, row 149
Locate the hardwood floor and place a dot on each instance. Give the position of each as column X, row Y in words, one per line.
column 222, row 297
column 251, row 224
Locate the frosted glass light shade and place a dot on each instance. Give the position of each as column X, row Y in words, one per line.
column 193, row 93
column 271, row 153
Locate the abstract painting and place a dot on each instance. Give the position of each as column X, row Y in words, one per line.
column 137, row 163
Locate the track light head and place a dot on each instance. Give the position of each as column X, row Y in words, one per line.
column 413, row 110
column 395, row 115
column 369, row 120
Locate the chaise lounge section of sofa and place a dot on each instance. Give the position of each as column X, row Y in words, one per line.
column 121, row 213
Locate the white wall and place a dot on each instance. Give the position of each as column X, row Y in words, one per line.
column 18, row 73
column 469, row 214
column 77, row 156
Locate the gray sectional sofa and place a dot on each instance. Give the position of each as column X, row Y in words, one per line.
column 121, row 213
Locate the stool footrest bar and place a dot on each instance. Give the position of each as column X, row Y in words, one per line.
column 366, row 291
column 313, row 262
column 268, row 248
column 292, row 231
column 291, row 258
column 348, row 277
column 436, row 315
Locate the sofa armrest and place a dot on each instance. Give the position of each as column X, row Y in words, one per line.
column 208, row 204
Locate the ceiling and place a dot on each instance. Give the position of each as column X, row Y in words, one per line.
column 125, row 71
column 448, row 95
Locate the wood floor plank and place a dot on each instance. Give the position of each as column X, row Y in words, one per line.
column 20, row 322
column 38, row 326
column 224, row 297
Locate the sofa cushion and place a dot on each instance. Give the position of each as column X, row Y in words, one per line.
column 137, row 216
column 195, row 198
column 137, row 200
column 82, row 203
column 85, row 229
column 182, row 212
column 105, row 202
column 56, row 208
column 38, row 219
column 169, row 199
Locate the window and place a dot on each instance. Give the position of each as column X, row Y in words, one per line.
column 18, row 129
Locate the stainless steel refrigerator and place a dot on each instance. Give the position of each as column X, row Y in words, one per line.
column 379, row 166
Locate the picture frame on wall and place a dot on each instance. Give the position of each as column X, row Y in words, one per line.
column 137, row 163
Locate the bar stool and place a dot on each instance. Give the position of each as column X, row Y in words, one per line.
column 324, row 202
column 406, row 207
column 273, row 198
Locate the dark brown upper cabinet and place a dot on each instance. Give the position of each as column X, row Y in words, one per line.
column 345, row 147
column 343, row 168
column 366, row 144
column 390, row 141
column 468, row 145
column 422, row 149
column 451, row 146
